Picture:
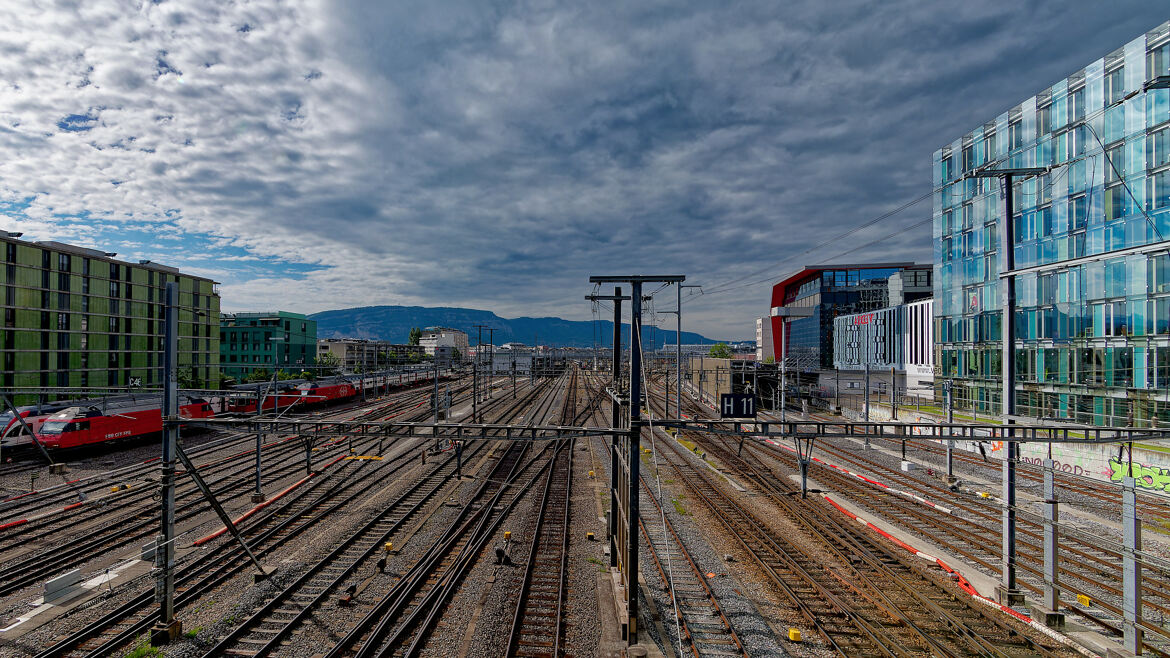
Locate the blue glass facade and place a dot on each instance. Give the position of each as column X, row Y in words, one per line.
column 1093, row 319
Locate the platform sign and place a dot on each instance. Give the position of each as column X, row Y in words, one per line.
column 737, row 405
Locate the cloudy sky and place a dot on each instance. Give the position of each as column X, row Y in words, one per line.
column 314, row 155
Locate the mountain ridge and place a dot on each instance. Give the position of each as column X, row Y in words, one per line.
column 393, row 323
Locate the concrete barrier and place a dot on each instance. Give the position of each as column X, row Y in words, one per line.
column 62, row 586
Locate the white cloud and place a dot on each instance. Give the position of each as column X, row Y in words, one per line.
column 467, row 153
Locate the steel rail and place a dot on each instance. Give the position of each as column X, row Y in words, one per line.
column 532, row 620
column 226, row 560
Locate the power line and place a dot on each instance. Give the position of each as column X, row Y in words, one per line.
column 719, row 286
column 843, row 253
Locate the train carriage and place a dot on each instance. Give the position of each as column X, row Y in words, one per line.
column 84, row 425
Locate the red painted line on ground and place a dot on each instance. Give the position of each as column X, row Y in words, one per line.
column 11, row 524
column 69, row 507
column 243, row 517
column 963, row 583
column 842, row 509
column 152, row 459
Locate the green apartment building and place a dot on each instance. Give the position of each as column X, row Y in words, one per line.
column 76, row 318
column 270, row 341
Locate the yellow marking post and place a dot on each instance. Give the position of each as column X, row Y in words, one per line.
column 794, row 634
column 1084, row 600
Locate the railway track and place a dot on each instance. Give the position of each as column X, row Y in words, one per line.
column 69, row 492
column 266, row 630
column 1091, row 565
column 972, row 530
column 862, row 598
column 320, row 501
column 537, row 625
column 399, row 622
column 134, row 520
column 1150, row 506
column 705, row 630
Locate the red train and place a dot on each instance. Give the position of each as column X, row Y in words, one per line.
column 13, row 431
column 72, row 424
column 242, row 399
column 78, row 426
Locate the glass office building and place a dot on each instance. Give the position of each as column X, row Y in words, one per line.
column 75, row 318
column 1090, row 243
column 805, row 303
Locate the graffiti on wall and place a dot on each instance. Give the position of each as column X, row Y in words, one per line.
column 1063, row 467
column 1145, row 475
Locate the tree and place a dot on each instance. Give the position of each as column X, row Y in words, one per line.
column 329, row 363
column 186, row 377
column 415, row 335
column 258, row 375
column 720, row 351
column 456, row 357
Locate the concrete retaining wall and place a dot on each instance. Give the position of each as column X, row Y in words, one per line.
column 1151, row 468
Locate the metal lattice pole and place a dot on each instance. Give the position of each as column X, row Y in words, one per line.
column 168, row 628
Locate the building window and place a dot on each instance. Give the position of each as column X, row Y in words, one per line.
column 1158, row 190
column 1114, row 203
column 1078, row 211
column 1043, row 121
column 1114, row 164
column 1115, row 85
column 1015, row 135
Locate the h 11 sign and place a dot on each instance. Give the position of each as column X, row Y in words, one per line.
column 737, row 405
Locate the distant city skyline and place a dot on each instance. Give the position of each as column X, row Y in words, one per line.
column 316, row 157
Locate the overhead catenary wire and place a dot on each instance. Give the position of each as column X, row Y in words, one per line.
column 728, row 286
column 719, row 287
column 636, row 327
column 838, row 255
